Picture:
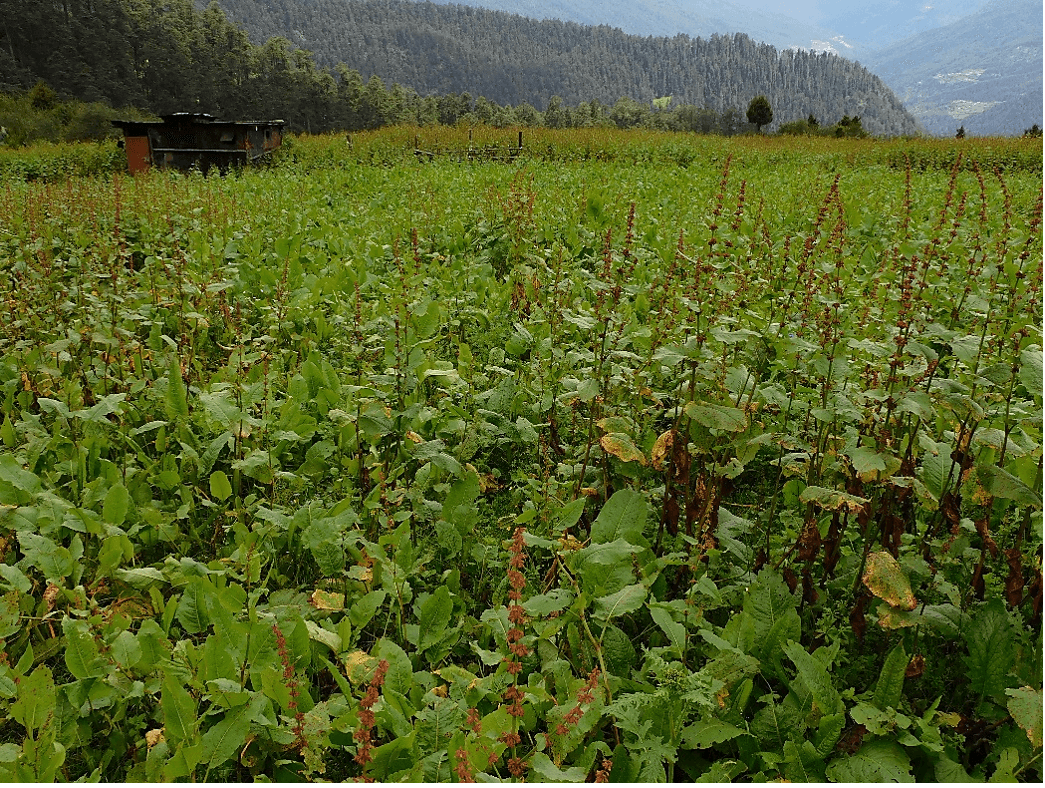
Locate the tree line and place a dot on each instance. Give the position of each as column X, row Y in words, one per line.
column 65, row 64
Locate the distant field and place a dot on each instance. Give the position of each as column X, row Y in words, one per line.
column 625, row 456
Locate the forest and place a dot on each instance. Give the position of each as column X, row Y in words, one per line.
column 165, row 56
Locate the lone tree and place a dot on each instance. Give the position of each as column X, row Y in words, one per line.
column 759, row 112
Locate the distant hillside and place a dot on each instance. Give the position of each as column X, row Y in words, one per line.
column 511, row 59
column 983, row 72
column 875, row 24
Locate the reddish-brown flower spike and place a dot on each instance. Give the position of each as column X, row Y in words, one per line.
column 509, row 739
column 516, row 767
column 512, row 667
column 463, row 768
column 473, row 721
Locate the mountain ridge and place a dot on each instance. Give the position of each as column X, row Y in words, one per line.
column 455, row 48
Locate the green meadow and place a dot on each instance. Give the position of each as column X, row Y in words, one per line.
column 626, row 456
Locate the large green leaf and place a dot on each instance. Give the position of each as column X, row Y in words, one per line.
column 718, row 417
column 35, row 704
column 802, row 763
column 707, row 733
column 117, row 501
column 176, row 400
column 1025, row 706
column 179, row 709
column 990, row 638
column 81, row 650
column 627, row 600
column 433, row 618
column 1002, row 484
column 623, row 516
column 772, row 609
column 815, row 677
column 224, row 739
column 889, row 689
column 192, row 612
column 878, row 761
column 1031, row 369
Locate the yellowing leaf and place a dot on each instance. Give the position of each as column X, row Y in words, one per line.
column 886, row 580
column 662, row 449
column 620, row 446
column 894, row 618
column 1025, row 706
column 359, row 666
column 326, row 600
column 832, row 500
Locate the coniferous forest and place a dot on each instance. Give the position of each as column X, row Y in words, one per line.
column 385, row 62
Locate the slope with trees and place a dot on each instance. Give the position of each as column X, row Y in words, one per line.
column 512, row 59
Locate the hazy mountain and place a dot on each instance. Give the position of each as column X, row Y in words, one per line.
column 875, row 24
column 983, row 71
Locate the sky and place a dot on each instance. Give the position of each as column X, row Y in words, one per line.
column 804, row 10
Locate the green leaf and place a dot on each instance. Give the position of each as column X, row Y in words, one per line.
column 104, row 407
column 36, row 701
column 220, row 486
column 707, row 733
column 990, row 639
column 81, row 650
column 542, row 765
column 867, row 463
column 364, row 608
column 878, row 761
column 179, row 709
column 192, row 607
column 433, row 618
column 627, row 600
column 16, row 579
column 802, row 763
column 224, row 739
column 675, row 631
column 717, row 417
column 176, row 400
column 400, row 676
column 1025, row 706
column 125, row 649
column 623, row 516
column 815, row 677
column 117, row 501
column 1002, row 484
column 772, row 608
column 889, row 690
column 55, row 561
column 1031, row 370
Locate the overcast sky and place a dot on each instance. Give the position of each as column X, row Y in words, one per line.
column 805, row 10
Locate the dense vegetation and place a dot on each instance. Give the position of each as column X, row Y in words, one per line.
column 640, row 458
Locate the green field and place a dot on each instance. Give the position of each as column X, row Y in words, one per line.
column 637, row 457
